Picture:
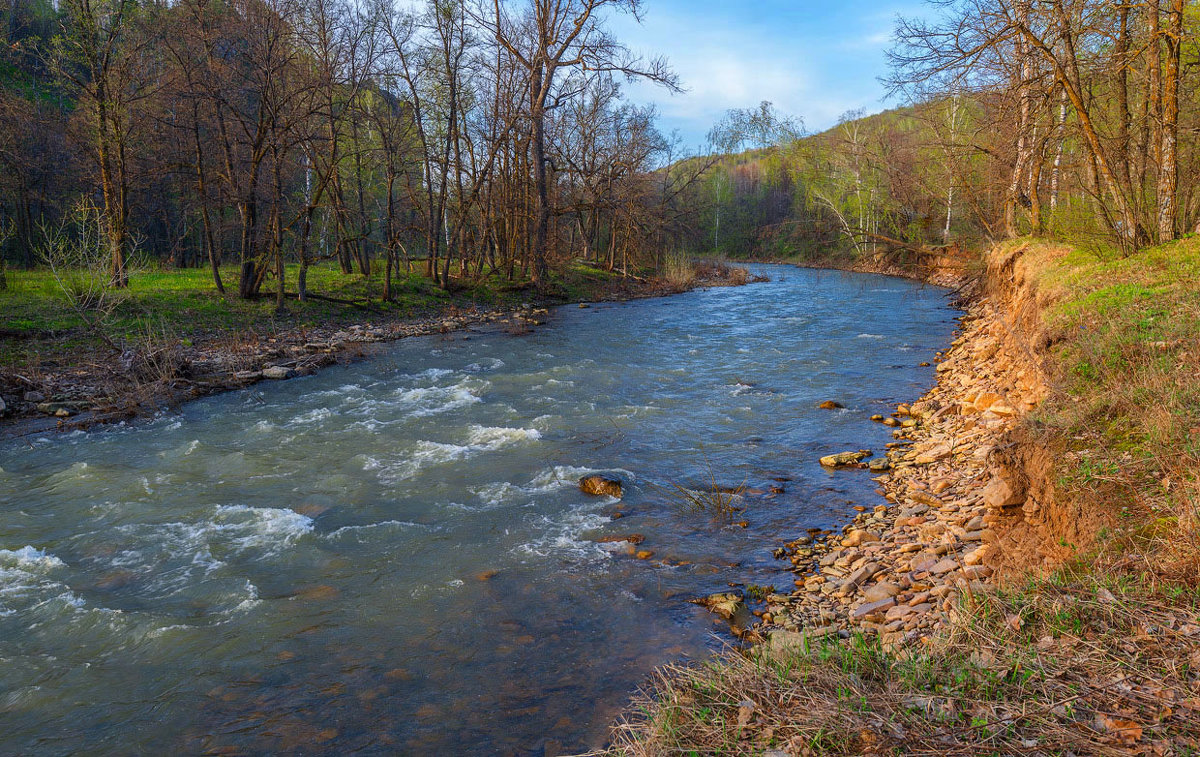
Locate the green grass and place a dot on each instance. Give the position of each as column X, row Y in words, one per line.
column 1126, row 361
column 186, row 301
column 36, row 322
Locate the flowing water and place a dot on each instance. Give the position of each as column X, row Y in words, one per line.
column 394, row 556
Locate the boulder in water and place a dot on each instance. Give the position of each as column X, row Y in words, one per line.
column 844, row 459
column 600, row 485
column 831, row 405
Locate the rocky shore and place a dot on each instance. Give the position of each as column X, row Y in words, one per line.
column 106, row 391
column 897, row 570
column 94, row 389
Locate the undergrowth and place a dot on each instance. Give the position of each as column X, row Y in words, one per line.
column 1126, row 369
column 1049, row 668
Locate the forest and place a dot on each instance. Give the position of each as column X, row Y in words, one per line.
column 1062, row 119
column 474, row 138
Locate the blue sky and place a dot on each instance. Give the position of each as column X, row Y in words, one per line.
column 812, row 59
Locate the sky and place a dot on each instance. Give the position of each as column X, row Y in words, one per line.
column 813, row 59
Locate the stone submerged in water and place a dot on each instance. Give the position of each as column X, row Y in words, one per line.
column 600, row 485
column 843, row 459
column 831, row 405
column 729, row 606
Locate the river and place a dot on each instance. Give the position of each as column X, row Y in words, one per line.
column 394, row 556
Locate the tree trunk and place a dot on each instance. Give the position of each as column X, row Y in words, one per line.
column 1168, row 174
column 541, row 227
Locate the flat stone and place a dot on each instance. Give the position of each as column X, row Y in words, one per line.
column 859, row 536
column 872, row 609
column 899, row 612
column 977, row 571
column 842, row 459
column 863, row 574
column 975, row 556
column 944, row 566
column 921, row 564
column 940, row 452
column 879, row 591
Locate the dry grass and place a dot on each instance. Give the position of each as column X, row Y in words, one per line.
column 678, row 271
column 1049, row 670
column 711, row 499
column 720, row 273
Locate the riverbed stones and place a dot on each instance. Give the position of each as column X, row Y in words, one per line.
column 879, row 465
column 727, row 605
column 844, row 459
column 600, row 485
column 939, row 531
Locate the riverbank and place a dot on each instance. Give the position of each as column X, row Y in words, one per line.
column 65, row 370
column 1030, row 584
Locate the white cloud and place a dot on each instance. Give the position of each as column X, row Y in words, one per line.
column 730, row 57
